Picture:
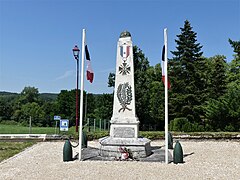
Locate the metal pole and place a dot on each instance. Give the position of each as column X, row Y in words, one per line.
column 30, row 125
column 88, row 124
column 94, row 125
column 166, row 97
column 56, row 128
column 100, row 124
column 77, row 95
column 81, row 98
column 85, row 118
column 104, row 124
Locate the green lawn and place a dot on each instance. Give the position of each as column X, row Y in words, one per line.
column 9, row 149
column 17, row 129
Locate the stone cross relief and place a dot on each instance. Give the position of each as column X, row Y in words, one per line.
column 124, row 69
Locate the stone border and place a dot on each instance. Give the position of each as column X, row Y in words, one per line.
column 54, row 137
column 26, row 137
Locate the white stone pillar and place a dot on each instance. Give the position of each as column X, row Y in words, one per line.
column 124, row 122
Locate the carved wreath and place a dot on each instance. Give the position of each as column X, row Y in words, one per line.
column 124, row 94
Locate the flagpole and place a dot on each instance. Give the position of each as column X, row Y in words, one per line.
column 81, row 96
column 166, row 97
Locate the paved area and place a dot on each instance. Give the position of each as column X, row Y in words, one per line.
column 202, row 160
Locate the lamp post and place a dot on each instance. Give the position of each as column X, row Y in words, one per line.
column 76, row 56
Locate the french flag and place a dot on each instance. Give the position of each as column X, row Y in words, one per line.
column 90, row 73
column 163, row 72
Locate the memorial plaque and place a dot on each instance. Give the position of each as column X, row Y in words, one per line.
column 123, row 132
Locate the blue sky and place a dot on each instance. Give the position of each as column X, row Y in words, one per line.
column 37, row 36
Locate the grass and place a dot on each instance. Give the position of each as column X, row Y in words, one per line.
column 9, row 149
column 18, row 129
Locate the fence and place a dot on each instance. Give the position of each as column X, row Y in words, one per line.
column 92, row 125
column 97, row 125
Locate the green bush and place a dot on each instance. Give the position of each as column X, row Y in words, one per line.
column 183, row 125
column 187, row 127
column 200, row 128
column 9, row 122
column 208, row 128
column 24, row 123
column 178, row 123
column 151, row 134
column 229, row 128
column 96, row 135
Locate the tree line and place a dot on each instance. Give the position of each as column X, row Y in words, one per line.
column 204, row 94
column 17, row 108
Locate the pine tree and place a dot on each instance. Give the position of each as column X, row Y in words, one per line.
column 218, row 77
column 234, row 66
column 236, row 46
column 188, row 76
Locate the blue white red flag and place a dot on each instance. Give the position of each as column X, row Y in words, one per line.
column 90, row 73
column 124, row 51
column 163, row 72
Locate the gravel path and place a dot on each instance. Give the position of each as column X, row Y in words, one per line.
column 203, row 160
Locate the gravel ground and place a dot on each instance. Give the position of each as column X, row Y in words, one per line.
column 203, row 160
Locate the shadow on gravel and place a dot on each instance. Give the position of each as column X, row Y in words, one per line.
column 189, row 154
column 156, row 147
column 92, row 154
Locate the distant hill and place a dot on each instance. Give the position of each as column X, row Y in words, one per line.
column 4, row 93
column 43, row 96
column 8, row 95
column 48, row 96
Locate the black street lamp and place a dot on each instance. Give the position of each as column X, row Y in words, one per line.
column 76, row 56
column 76, row 52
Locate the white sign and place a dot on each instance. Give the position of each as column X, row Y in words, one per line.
column 57, row 118
column 64, row 124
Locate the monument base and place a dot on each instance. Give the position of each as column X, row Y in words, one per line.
column 109, row 146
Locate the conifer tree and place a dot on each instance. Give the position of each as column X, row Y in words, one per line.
column 188, row 76
column 217, row 76
column 234, row 66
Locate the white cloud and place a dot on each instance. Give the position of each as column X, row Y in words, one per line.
column 67, row 74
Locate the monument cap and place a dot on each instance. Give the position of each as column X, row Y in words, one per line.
column 125, row 34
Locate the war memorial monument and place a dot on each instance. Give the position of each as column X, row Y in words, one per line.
column 124, row 129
